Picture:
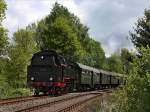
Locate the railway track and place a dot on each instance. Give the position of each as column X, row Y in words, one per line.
column 66, row 104
column 78, row 105
column 51, row 104
column 75, row 105
column 18, row 100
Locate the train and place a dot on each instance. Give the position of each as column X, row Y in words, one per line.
column 50, row 73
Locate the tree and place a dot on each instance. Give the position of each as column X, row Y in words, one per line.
column 3, row 49
column 59, row 36
column 3, row 33
column 114, row 64
column 127, row 59
column 3, row 8
column 141, row 35
column 95, row 56
column 62, row 31
column 134, row 96
column 20, row 53
column 3, row 41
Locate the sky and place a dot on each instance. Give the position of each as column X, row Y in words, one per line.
column 109, row 21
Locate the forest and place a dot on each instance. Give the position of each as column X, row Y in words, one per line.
column 63, row 32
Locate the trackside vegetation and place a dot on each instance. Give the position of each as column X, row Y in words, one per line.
column 134, row 96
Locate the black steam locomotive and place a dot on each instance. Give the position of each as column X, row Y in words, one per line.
column 50, row 73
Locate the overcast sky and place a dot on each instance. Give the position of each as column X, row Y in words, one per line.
column 109, row 20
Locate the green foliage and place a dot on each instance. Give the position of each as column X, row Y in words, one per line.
column 141, row 35
column 3, row 32
column 9, row 92
column 120, row 62
column 18, row 92
column 95, row 55
column 3, row 41
column 114, row 64
column 127, row 59
column 62, row 31
column 3, row 85
column 134, row 96
column 3, row 50
column 3, row 8
column 13, row 68
column 60, row 37
column 20, row 53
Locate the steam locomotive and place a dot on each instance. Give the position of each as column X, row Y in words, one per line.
column 50, row 73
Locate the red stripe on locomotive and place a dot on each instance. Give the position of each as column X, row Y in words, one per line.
column 47, row 84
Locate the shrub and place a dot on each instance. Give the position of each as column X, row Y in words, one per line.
column 134, row 96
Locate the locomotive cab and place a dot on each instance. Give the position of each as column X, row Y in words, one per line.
column 45, row 72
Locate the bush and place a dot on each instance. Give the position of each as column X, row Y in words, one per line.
column 12, row 93
column 20, row 92
column 135, row 95
column 4, row 89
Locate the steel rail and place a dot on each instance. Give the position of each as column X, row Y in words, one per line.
column 76, row 105
column 18, row 100
column 51, row 103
